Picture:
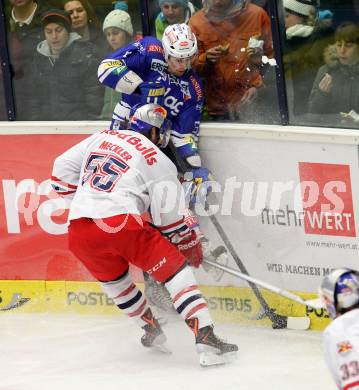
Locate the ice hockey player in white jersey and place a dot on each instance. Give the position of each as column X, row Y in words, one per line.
column 340, row 294
column 114, row 177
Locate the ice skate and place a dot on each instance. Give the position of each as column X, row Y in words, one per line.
column 211, row 349
column 217, row 255
column 158, row 296
column 154, row 336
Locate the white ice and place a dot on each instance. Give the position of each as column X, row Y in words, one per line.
column 74, row 352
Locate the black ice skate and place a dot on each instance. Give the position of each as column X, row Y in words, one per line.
column 211, row 349
column 153, row 337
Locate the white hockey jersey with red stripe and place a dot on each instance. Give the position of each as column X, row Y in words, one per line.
column 119, row 172
column 341, row 350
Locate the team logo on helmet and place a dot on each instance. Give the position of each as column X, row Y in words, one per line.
column 160, row 110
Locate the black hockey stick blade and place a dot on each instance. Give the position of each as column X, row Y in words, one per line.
column 278, row 321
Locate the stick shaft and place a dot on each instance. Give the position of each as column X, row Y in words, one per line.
column 275, row 318
column 267, row 286
column 239, row 263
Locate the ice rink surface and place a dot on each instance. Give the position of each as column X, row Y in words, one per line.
column 74, row 352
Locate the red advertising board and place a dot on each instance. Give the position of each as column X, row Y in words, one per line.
column 327, row 199
column 33, row 242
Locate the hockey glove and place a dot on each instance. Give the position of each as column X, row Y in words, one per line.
column 196, row 185
column 152, row 92
column 191, row 249
column 186, row 151
column 186, row 241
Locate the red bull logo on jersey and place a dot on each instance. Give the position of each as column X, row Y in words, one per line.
column 344, row 347
column 149, row 153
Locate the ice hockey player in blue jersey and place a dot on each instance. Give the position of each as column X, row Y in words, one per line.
column 151, row 71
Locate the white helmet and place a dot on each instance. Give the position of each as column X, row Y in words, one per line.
column 179, row 41
column 340, row 290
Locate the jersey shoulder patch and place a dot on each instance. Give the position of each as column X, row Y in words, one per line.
column 153, row 45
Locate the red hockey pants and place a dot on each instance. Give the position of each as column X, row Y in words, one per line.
column 107, row 246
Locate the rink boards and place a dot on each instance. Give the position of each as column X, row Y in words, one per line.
column 226, row 304
column 287, row 199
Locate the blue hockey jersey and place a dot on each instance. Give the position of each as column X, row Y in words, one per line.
column 125, row 69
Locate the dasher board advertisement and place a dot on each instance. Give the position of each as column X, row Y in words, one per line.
column 290, row 209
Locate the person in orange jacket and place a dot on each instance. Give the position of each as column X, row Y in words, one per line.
column 232, row 36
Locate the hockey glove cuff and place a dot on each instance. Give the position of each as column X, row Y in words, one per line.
column 196, row 185
column 152, row 92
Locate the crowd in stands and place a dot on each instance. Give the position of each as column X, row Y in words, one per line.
column 56, row 46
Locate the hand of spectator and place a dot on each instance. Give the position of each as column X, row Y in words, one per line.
column 255, row 49
column 215, row 53
column 325, row 84
column 249, row 95
column 351, row 116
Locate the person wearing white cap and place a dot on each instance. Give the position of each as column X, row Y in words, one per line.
column 299, row 17
column 306, row 37
column 118, row 30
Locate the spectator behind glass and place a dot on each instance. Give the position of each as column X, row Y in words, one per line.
column 172, row 12
column 118, row 30
column 305, row 39
column 64, row 84
column 336, row 86
column 232, row 36
column 25, row 23
column 86, row 24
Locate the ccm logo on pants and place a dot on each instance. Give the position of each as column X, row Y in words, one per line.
column 157, row 266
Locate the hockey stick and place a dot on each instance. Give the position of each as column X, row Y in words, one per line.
column 314, row 303
column 278, row 321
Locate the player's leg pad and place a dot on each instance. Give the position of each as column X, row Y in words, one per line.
column 187, row 298
column 127, row 297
